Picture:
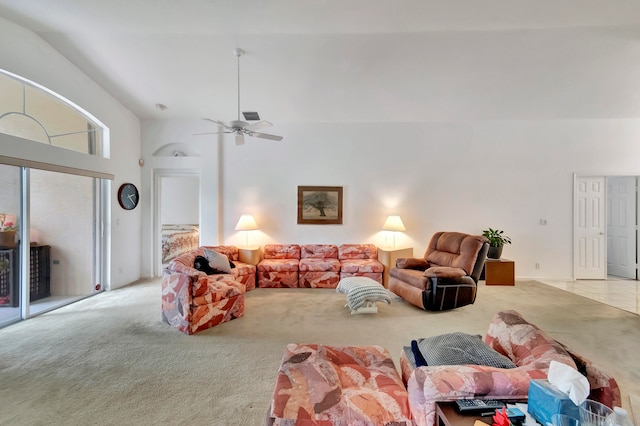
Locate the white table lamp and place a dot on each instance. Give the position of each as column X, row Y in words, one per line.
column 246, row 223
column 394, row 224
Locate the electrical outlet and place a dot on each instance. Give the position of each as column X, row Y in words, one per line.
column 543, row 222
column 537, row 265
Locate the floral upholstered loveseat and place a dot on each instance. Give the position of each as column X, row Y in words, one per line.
column 193, row 301
column 525, row 345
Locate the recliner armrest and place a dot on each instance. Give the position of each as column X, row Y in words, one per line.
column 445, row 272
column 412, row 263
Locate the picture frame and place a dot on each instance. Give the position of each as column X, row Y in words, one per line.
column 319, row 205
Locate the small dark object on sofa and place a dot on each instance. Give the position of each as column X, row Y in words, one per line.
column 202, row 264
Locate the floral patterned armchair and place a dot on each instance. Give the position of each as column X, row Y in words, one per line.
column 193, row 301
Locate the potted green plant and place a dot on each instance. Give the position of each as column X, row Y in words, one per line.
column 497, row 240
column 7, row 231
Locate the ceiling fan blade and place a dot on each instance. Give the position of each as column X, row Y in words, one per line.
column 239, row 139
column 257, row 126
column 265, row 136
column 211, row 133
column 217, row 122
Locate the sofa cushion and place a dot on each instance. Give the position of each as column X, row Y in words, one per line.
column 413, row 277
column 282, row 251
column 460, row 349
column 218, row 261
column 357, row 251
column 319, row 251
column 331, row 385
column 278, row 265
column 319, row 265
column 361, row 265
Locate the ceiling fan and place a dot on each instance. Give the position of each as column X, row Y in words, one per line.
column 240, row 127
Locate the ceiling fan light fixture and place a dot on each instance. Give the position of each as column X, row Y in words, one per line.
column 251, row 115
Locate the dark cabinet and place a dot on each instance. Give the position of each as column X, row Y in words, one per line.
column 9, row 278
column 39, row 270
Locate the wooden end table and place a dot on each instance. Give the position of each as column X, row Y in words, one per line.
column 499, row 272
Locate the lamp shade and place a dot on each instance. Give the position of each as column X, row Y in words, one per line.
column 394, row 223
column 246, row 223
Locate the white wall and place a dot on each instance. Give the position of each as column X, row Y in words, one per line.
column 437, row 176
column 180, row 200
column 24, row 53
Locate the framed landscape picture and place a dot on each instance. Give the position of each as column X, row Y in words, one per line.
column 320, row 205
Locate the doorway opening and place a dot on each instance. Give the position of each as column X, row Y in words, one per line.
column 606, row 217
column 176, row 214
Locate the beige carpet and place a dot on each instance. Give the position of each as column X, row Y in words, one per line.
column 109, row 360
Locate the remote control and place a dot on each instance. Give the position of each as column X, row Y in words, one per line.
column 478, row 405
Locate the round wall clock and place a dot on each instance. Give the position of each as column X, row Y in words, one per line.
column 128, row 196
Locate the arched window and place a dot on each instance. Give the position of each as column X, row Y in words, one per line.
column 32, row 112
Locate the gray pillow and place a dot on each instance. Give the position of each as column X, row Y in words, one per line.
column 461, row 349
column 218, row 261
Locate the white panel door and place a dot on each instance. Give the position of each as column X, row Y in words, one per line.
column 621, row 226
column 589, row 228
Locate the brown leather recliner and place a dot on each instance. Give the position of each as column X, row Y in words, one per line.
column 447, row 276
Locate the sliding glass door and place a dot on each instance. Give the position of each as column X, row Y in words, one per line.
column 10, row 190
column 61, row 258
column 62, row 244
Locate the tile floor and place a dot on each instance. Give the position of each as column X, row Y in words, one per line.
column 617, row 292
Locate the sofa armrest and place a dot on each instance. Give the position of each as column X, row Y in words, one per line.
column 446, row 272
column 412, row 263
column 187, row 270
column 428, row 385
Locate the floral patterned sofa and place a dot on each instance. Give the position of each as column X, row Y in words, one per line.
column 338, row 385
column 193, row 301
column 360, row 260
column 319, row 266
column 523, row 343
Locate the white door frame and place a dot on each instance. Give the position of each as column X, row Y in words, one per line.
column 602, row 246
column 158, row 174
column 575, row 207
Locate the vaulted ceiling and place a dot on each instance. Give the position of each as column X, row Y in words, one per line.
column 352, row 60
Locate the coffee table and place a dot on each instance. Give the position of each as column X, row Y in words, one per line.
column 447, row 415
